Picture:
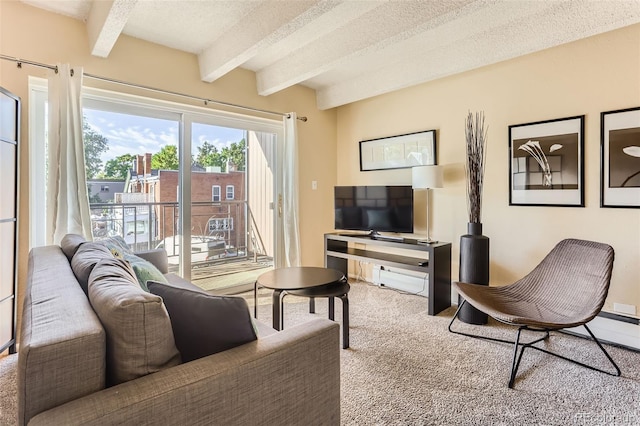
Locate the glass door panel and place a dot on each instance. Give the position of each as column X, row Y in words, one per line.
column 228, row 249
column 132, row 176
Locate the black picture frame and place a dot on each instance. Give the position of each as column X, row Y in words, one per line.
column 620, row 158
column 399, row 152
column 546, row 163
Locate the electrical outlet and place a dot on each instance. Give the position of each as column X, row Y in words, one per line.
column 623, row 308
column 314, row 184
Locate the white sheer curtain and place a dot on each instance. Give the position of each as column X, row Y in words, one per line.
column 290, row 192
column 67, row 198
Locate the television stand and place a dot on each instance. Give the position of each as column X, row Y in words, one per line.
column 433, row 259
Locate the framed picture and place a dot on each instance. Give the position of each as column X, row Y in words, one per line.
column 546, row 163
column 620, row 158
column 397, row 152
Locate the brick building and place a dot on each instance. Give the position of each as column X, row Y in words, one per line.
column 218, row 200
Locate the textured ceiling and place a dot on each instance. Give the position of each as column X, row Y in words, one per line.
column 346, row 50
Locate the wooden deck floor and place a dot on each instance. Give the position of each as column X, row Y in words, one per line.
column 240, row 273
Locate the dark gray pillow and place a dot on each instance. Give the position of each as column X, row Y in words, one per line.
column 204, row 324
column 70, row 244
column 85, row 259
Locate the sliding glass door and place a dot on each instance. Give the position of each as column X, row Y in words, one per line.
column 200, row 184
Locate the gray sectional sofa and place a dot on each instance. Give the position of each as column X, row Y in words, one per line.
column 66, row 360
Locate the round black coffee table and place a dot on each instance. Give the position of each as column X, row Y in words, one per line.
column 307, row 281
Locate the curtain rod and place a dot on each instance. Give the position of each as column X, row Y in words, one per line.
column 206, row 101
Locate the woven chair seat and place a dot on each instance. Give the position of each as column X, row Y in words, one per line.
column 507, row 306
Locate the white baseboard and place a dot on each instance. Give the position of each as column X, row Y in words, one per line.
column 607, row 327
column 611, row 328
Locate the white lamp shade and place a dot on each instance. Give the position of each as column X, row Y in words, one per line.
column 424, row 177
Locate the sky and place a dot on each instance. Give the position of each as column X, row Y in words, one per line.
column 134, row 134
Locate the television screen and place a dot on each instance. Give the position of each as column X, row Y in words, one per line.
column 374, row 208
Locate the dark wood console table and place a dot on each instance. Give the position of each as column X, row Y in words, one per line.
column 432, row 259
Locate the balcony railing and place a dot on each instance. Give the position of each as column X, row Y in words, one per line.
column 219, row 230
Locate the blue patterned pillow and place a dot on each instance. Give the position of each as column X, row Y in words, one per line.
column 145, row 270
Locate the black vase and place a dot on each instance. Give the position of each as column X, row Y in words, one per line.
column 474, row 268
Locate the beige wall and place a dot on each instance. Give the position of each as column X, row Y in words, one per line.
column 585, row 77
column 598, row 74
column 40, row 36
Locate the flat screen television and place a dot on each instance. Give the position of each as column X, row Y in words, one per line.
column 374, row 208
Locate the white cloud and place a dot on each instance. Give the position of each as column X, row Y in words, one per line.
column 168, row 139
column 128, row 134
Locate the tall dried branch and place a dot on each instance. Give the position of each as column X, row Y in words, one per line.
column 476, row 139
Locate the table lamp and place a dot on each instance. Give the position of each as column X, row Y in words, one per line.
column 427, row 177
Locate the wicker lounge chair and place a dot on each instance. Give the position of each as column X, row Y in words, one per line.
column 567, row 289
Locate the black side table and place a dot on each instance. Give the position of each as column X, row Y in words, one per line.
column 295, row 278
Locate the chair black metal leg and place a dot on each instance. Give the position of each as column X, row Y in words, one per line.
column 493, row 339
column 516, row 363
column 312, row 305
column 606, row 354
column 518, row 357
column 456, row 316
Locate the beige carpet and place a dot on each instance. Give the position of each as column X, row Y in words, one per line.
column 8, row 390
column 405, row 368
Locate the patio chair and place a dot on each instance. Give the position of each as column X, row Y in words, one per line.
column 567, row 289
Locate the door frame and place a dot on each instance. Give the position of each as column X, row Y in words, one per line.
column 184, row 193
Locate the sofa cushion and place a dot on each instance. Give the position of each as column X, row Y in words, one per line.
column 84, row 260
column 143, row 269
column 70, row 244
column 139, row 336
column 204, row 324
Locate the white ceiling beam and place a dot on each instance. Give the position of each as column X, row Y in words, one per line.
column 337, row 17
column 105, row 22
column 267, row 24
column 477, row 47
column 385, row 25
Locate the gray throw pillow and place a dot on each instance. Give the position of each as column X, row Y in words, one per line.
column 204, row 324
column 86, row 257
column 139, row 335
column 70, row 244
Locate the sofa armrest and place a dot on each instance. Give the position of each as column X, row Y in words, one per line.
column 291, row 377
column 62, row 342
column 156, row 256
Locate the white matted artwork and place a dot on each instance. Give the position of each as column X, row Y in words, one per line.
column 620, row 158
column 397, row 152
column 546, row 163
